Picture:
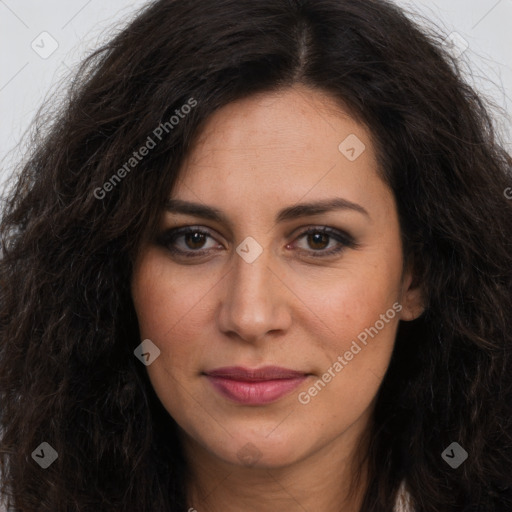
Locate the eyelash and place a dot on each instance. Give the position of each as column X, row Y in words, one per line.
column 169, row 237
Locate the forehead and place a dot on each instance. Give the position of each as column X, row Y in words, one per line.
column 288, row 119
column 281, row 146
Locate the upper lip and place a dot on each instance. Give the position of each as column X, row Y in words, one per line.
column 256, row 374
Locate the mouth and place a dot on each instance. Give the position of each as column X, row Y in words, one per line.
column 258, row 386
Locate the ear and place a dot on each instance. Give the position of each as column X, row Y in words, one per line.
column 413, row 296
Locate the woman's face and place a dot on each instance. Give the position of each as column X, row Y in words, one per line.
column 248, row 289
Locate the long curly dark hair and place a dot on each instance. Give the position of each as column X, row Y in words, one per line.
column 68, row 328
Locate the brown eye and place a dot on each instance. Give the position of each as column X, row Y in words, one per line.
column 194, row 240
column 318, row 240
column 325, row 241
column 188, row 241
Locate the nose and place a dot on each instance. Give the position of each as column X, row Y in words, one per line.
column 255, row 300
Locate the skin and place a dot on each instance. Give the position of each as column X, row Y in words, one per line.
column 287, row 308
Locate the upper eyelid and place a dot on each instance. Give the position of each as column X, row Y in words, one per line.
column 196, row 227
column 330, row 231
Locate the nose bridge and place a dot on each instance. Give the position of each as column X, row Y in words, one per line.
column 253, row 302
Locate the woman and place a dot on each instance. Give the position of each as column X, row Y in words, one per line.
column 260, row 261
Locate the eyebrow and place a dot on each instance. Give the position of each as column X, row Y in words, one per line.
column 286, row 214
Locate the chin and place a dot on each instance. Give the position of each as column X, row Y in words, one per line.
column 261, row 451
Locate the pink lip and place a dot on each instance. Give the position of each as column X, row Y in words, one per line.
column 255, row 386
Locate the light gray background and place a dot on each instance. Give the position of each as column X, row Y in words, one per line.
column 78, row 26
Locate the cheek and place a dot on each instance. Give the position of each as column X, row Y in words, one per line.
column 170, row 311
column 362, row 328
column 358, row 322
column 341, row 307
column 165, row 300
column 355, row 353
column 163, row 303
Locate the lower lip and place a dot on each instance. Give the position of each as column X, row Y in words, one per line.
column 255, row 392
